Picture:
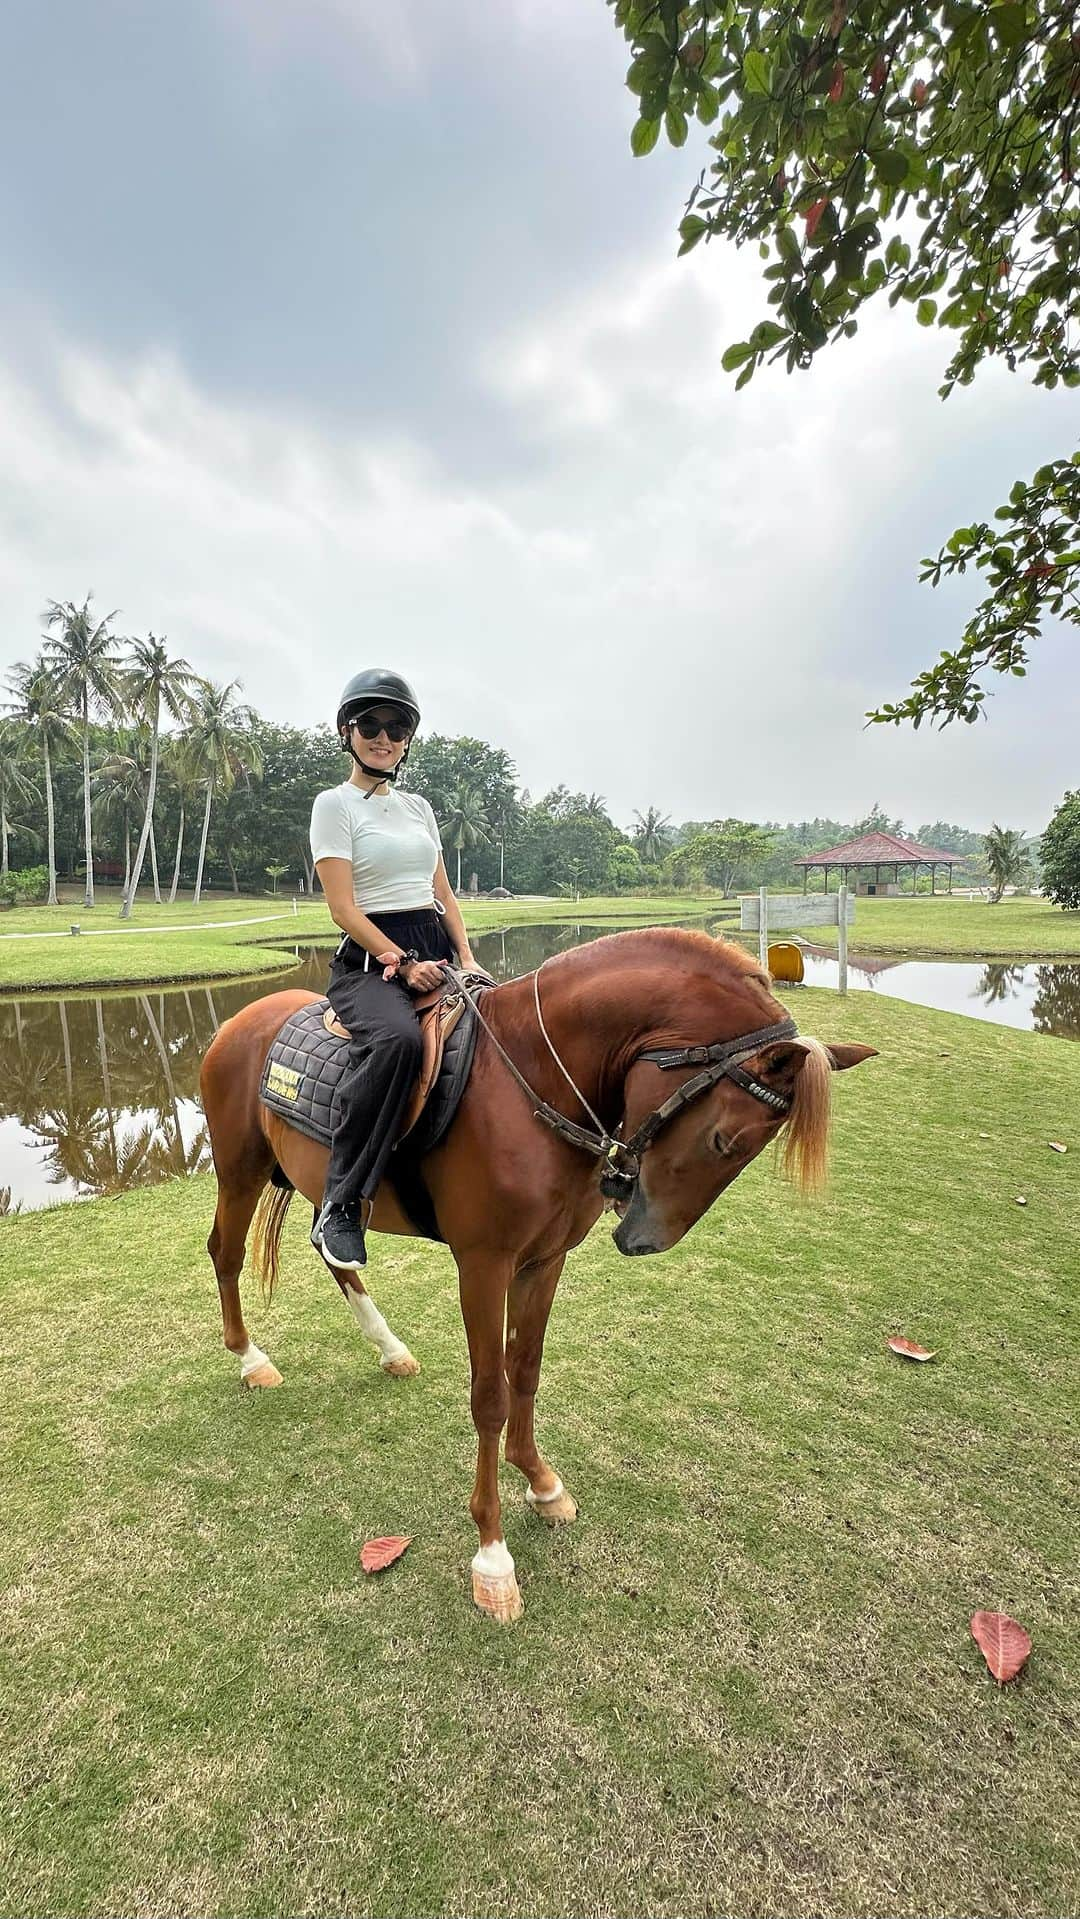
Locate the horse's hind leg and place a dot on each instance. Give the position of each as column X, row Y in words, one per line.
column 235, row 1210
column 394, row 1356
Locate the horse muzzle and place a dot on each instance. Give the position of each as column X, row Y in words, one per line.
column 637, row 1231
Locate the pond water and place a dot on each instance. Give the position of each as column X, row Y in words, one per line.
column 99, row 1092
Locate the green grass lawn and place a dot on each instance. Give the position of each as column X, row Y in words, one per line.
column 190, row 946
column 960, row 928
column 744, row 1682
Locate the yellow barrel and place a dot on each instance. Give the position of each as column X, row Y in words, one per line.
column 786, row 961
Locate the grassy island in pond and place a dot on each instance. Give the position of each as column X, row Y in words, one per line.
column 228, row 938
column 744, row 1681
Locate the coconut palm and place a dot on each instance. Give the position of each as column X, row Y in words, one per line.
column 465, row 822
column 1007, row 860
column 223, row 747
column 83, row 656
column 15, row 784
column 119, row 784
column 37, row 704
column 176, row 763
column 652, row 834
column 595, row 807
column 152, row 681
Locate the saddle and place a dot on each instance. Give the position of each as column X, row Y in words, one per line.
column 306, row 1061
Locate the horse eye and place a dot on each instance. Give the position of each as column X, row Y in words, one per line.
column 722, row 1145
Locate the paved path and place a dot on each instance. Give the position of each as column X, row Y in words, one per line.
column 107, row 932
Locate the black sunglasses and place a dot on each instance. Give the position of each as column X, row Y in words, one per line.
column 369, row 727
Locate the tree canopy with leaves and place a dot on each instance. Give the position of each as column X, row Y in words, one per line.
column 1061, row 854
column 887, row 149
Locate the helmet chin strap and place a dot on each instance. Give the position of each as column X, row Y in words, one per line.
column 378, row 773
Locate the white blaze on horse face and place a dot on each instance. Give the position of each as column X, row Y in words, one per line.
column 373, row 1325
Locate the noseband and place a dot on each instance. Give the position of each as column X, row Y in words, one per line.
column 622, row 1159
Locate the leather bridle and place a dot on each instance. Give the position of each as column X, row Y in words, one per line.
column 622, row 1158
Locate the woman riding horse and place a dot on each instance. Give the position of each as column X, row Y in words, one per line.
column 379, row 857
column 669, row 1044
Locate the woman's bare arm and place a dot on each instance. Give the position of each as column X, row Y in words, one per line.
column 455, row 925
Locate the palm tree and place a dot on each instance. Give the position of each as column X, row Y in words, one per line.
column 151, row 680
column 14, row 784
column 595, row 807
column 176, row 760
column 223, row 747
column 1007, row 859
column 652, row 834
column 84, row 659
column 465, row 822
column 119, row 786
column 37, row 704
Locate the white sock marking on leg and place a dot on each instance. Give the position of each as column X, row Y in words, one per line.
column 373, row 1325
column 251, row 1359
column 494, row 1561
column 544, row 1499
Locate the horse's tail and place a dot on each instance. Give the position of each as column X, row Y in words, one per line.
column 266, row 1230
column 805, row 1149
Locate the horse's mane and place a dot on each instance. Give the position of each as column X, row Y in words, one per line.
column 676, row 945
column 679, row 951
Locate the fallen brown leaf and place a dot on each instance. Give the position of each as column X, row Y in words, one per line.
column 907, row 1349
column 1004, row 1644
column 1056, row 1146
column 377, row 1554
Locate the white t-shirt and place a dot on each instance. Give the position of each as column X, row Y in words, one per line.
column 391, row 839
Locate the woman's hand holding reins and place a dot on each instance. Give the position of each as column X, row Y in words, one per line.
column 418, row 976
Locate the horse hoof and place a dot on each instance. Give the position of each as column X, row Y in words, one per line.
column 560, row 1511
column 265, row 1375
column 497, row 1595
column 404, row 1366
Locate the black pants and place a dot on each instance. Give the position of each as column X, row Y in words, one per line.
column 384, row 1054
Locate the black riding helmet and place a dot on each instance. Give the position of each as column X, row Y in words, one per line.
column 375, row 686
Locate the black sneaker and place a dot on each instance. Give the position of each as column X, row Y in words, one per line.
column 339, row 1237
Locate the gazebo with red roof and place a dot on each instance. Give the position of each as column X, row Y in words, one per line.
column 878, row 850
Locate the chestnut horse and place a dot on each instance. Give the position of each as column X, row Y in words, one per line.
column 512, row 1196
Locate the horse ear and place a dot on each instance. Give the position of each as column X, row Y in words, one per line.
column 844, row 1056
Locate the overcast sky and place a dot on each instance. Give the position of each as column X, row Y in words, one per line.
column 338, row 335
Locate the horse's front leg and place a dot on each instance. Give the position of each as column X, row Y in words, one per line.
column 484, row 1283
column 528, row 1306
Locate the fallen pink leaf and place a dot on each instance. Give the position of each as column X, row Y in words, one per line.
column 377, row 1554
column 1004, row 1644
column 907, row 1349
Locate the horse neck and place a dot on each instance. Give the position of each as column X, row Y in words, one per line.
column 600, row 1020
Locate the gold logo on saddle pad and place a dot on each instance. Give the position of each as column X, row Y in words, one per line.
column 283, row 1080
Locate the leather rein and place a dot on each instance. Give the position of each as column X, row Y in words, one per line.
column 622, row 1159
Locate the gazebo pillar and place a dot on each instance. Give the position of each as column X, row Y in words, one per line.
column 933, row 877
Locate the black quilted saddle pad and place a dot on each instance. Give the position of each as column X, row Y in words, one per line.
column 305, row 1064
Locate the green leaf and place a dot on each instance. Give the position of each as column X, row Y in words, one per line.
column 787, row 246
column 890, row 165
column 926, row 312
column 736, row 356
column 756, row 72
column 767, row 334
column 1009, row 22
column 715, row 58
column 675, row 124
column 644, row 137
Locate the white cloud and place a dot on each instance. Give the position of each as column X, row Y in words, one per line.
column 667, row 592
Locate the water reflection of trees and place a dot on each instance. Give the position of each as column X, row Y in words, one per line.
column 998, row 983
column 106, row 1087
column 1056, row 1007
